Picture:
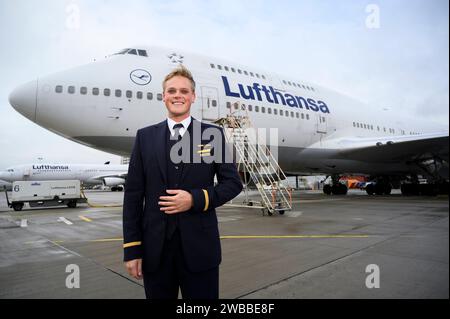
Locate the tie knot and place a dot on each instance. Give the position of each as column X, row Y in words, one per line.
column 176, row 131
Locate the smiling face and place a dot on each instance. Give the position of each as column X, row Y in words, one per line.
column 178, row 96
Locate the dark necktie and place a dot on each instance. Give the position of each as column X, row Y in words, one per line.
column 176, row 128
column 172, row 220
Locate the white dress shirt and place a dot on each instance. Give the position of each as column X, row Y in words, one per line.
column 171, row 123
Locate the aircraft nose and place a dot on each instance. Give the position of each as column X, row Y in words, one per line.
column 3, row 175
column 24, row 99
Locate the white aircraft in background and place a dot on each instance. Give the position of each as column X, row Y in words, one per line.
column 109, row 175
column 102, row 105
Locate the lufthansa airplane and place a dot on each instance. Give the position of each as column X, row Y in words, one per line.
column 320, row 131
column 109, row 175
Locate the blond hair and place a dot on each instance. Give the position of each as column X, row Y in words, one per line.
column 181, row 70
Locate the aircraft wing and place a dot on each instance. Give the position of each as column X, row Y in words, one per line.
column 392, row 148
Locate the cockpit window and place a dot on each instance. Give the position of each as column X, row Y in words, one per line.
column 142, row 52
column 133, row 52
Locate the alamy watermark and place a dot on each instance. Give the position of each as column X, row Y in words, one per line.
column 72, row 16
column 373, row 279
column 73, row 279
column 210, row 146
column 373, row 18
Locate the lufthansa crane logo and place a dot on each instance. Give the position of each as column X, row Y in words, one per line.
column 140, row 77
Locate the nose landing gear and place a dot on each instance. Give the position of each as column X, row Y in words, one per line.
column 336, row 187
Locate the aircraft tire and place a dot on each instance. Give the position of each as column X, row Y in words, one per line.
column 370, row 189
column 339, row 189
column 327, row 189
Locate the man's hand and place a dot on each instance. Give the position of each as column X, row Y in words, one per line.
column 134, row 268
column 179, row 202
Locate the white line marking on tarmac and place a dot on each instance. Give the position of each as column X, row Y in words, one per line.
column 62, row 219
column 23, row 223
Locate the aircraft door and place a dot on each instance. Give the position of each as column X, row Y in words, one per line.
column 210, row 103
column 321, row 121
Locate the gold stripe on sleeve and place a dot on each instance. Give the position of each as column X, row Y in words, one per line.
column 134, row 243
column 206, row 199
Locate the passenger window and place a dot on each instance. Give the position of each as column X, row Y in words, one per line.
column 83, row 90
column 281, row 112
column 256, row 108
column 226, row 68
column 118, row 93
column 214, row 103
column 139, row 95
column 269, row 110
column 58, row 89
column 106, row 92
column 292, row 114
column 219, row 67
column 132, row 51
column 307, row 116
column 149, row 96
column 159, row 97
column 129, row 94
column 245, row 72
column 250, row 108
column 263, row 76
column 95, row 91
column 275, row 111
column 251, row 74
column 239, row 71
column 297, row 115
column 212, row 66
column 233, row 70
column 303, row 116
column 228, row 105
column 71, row 89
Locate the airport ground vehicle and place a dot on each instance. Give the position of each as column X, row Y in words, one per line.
column 45, row 193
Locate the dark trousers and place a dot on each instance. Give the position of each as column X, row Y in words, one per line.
column 173, row 274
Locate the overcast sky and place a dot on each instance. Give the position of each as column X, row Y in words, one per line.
column 392, row 53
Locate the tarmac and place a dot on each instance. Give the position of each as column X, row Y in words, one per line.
column 354, row 246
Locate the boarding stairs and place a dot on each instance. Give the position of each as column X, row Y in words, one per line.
column 253, row 156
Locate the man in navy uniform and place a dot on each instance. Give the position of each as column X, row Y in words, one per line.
column 171, row 236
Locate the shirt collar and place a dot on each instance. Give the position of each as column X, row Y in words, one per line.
column 186, row 122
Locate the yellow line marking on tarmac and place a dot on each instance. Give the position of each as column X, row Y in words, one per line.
column 294, row 236
column 85, row 218
column 241, row 237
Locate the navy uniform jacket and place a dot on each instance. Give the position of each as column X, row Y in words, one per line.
column 144, row 224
